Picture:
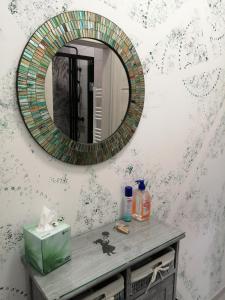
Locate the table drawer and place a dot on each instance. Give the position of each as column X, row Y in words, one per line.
column 161, row 291
column 111, row 289
column 152, row 273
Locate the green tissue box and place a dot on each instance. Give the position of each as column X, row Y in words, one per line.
column 46, row 251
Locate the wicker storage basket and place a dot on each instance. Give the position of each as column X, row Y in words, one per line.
column 143, row 277
column 112, row 289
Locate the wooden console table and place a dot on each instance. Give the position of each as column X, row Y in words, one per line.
column 94, row 260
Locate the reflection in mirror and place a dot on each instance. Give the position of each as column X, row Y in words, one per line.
column 87, row 90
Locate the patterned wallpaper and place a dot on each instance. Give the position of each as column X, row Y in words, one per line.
column 178, row 147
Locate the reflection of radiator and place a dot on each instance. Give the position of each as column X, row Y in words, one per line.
column 97, row 115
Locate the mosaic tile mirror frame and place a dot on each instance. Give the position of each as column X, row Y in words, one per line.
column 33, row 65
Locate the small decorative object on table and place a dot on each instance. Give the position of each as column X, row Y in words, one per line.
column 122, row 228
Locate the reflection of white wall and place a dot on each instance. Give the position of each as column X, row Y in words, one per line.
column 107, row 93
column 115, row 92
column 119, row 92
column 49, row 91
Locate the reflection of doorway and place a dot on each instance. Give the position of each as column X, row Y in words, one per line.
column 87, row 91
column 73, row 77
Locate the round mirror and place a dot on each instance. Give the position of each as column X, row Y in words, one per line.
column 87, row 90
column 73, row 90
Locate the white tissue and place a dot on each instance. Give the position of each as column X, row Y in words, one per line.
column 47, row 217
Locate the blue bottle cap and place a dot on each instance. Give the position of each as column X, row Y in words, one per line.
column 141, row 184
column 128, row 191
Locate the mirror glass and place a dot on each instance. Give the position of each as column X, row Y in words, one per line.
column 87, row 90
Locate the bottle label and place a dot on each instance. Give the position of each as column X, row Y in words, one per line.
column 138, row 205
column 127, row 208
column 146, row 206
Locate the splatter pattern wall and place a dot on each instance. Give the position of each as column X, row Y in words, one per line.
column 178, row 147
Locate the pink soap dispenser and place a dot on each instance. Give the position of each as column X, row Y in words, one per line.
column 141, row 208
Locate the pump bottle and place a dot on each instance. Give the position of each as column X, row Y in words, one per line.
column 127, row 204
column 141, row 207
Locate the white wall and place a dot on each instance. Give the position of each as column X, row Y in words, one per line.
column 178, row 147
